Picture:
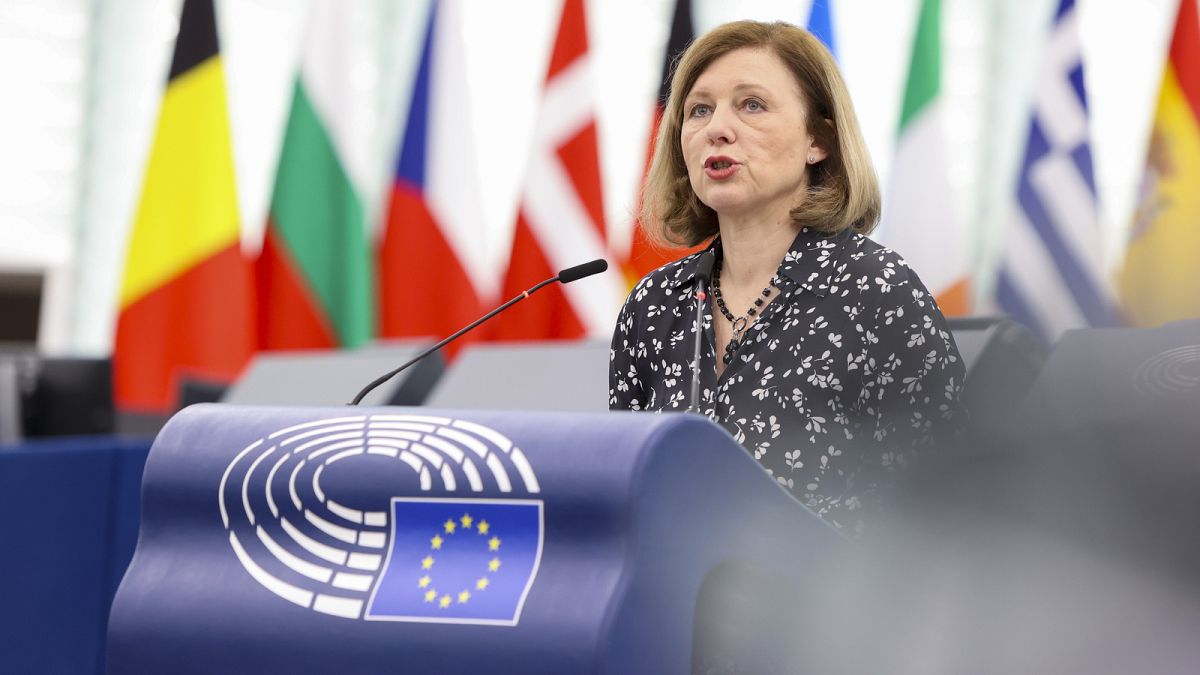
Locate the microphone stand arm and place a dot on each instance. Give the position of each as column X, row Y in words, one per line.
column 387, row 376
column 701, row 296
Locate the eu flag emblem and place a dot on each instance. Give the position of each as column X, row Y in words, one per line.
column 459, row 561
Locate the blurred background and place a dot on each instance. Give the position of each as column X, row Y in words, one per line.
column 85, row 83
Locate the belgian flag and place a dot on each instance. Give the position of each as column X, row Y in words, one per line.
column 186, row 304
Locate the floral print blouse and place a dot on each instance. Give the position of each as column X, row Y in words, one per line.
column 846, row 374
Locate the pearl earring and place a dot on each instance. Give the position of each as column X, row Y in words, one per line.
column 812, row 160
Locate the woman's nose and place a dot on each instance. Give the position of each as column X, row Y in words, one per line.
column 720, row 127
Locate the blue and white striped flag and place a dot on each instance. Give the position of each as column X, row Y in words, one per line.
column 1052, row 272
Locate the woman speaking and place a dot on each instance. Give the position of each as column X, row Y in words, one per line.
column 822, row 353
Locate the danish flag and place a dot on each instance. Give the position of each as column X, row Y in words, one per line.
column 560, row 222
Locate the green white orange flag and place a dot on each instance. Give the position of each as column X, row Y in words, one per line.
column 918, row 216
column 186, row 304
column 1160, row 280
column 315, row 283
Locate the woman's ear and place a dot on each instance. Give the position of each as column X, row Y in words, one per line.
column 817, row 150
column 816, row 153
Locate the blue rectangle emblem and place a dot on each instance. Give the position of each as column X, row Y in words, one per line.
column 459, row 561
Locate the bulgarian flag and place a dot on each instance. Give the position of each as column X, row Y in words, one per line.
column 187, row 303
column 918, row 216
column 314, row 273
column 1161, row 277
column 644, row 255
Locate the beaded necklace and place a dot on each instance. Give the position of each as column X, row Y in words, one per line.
column 742, row 323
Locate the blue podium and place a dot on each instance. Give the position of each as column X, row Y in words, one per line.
column 411, row 540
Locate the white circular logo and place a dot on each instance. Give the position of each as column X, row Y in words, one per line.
column 307, row 508
column 1174, row 371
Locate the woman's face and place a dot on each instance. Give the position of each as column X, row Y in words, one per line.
column 745, row 138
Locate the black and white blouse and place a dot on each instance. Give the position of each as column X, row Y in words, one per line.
column 846, row 374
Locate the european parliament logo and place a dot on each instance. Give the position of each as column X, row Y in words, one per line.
column 361, row 517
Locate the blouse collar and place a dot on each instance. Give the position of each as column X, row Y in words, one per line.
column 810, row 263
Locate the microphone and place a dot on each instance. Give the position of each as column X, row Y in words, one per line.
column 566, row 276
column 704, row 269
column 578, row 272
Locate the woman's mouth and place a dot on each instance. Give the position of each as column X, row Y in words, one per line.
column 719, row 168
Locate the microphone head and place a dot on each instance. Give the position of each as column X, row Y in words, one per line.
column 704, row 267
column 578, row 272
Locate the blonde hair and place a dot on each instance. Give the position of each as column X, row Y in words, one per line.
column 842, row 192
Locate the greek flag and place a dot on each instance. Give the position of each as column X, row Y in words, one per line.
column 1052, row 272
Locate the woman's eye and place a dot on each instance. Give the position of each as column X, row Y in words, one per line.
column 753, row 105
column 699, row 110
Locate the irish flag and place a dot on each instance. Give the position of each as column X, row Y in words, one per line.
column 1161, row 277
column 314, row 273
column 918, row 217
column 187, row 301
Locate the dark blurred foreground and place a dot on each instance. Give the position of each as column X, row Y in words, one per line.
column 1062, row 537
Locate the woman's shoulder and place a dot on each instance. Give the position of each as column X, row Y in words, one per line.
column 880, row 265
column 668, row 279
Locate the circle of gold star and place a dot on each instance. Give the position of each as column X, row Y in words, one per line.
column 450, row 528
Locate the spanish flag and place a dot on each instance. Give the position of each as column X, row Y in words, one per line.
column 186, row 305
column 1161, row 277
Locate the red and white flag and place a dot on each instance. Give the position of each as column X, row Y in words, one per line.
column 560, row 222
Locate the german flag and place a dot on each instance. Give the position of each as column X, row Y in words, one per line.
column 1160, row 281
column 645, row 255
column 186, row 305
